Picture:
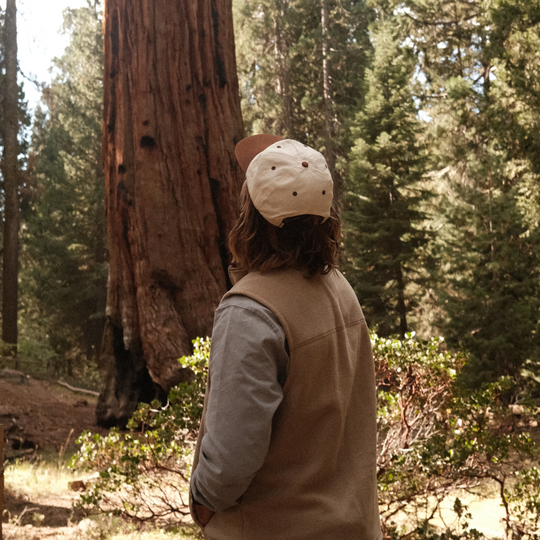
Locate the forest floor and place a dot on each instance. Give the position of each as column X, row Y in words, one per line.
column 42, row 420
column 42, row 415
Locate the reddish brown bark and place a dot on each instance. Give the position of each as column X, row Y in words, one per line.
column 171, row 121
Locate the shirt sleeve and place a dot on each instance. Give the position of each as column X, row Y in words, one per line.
column 248, row 365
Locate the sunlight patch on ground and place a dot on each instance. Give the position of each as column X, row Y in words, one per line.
column 486, row 514
column 482, row 503
column 38, row 479
column 154, row 535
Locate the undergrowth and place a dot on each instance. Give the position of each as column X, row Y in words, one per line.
column 435, row 436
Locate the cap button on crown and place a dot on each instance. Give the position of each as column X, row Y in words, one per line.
column 305, row 164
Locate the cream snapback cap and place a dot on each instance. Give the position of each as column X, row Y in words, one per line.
column 286, row 178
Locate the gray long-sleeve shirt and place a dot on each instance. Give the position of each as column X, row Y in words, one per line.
column 248, row 365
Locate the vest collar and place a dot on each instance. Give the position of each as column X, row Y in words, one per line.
column 236, row 274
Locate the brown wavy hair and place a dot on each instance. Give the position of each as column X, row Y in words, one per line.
column 303, row 242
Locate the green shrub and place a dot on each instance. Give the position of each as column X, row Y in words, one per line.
column 524, row 503
column 142, row 474
column 434, row 436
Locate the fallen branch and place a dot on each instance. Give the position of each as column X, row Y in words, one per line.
column 74, row 389
column 17, row 454
column 26, row 509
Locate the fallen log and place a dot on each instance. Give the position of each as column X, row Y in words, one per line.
column 14, row 456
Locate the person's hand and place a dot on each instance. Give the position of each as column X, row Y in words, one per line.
column 203, row 514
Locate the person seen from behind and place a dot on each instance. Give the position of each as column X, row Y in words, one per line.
column 287, row 441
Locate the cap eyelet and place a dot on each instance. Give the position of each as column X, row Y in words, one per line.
column 274, row 168
column 294, row 193
column 279, row 146
column 324, row 192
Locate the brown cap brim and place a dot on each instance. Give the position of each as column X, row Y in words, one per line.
column 249, row 147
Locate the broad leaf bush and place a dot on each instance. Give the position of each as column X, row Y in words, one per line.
column 435, row 436
column 143, row 473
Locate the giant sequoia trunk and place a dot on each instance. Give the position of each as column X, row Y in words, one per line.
column 171, row 121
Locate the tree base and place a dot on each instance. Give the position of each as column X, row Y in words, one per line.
column 125, row 381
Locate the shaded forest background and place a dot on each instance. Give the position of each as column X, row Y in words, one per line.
column 428, row 113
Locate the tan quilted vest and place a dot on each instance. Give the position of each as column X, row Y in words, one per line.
column 318, row 481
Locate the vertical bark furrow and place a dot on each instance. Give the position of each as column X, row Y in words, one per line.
column 172, row 117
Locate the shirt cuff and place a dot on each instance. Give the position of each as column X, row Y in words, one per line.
column 198, row 497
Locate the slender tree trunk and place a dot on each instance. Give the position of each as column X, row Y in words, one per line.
column 285, row 126
column 400, row 279
column 171, row 121
column 328, row 99
column 402, row 308
column 93, row 331
column 10, row 171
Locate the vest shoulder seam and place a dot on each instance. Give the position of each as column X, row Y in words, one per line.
column 332, row 331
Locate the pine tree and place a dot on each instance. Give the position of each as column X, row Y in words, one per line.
column 490, row 290
column 65, row 258
column 489, row 282
column 264, row 38
column 385, row 230
column 515, row 45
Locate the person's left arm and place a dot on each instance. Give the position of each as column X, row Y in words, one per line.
column 248, row 364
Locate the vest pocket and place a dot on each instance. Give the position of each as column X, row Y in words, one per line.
column 226, row 525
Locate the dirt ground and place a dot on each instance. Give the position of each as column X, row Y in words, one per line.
column 57, row 518
column 42, row 416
